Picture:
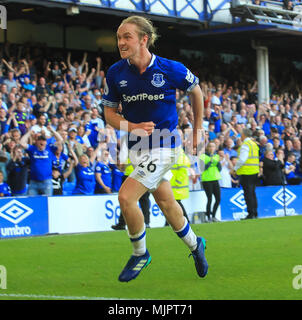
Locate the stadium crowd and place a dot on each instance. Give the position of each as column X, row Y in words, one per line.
column 54, row 139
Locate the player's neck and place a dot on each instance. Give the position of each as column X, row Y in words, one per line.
column 142, row 60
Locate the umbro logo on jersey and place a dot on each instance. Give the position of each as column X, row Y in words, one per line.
column 158, row 80
column 123, row 83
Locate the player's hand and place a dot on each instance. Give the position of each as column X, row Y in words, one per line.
column 142, row 129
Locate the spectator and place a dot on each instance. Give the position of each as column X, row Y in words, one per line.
column 103, row 174
column 100, row 75
column 3, row 105
column 23, row 72
column 226, row 168
column 55, row 70
column 296, row 150
column 60, row 159
column 85, row 180
column 61, row 110
column 117, row 177
column 227, row 113
column 217, row 116
column 262, row 146
column 288, row 5
column 76, row 66
column 21, row 117
column 95, row 126
column 264, row 124
column 82, row 137
column 216, row 98
column 40, row 127
column 210, row 168
column 28, row 85
column 58, row 179
column 211, row 131
column 272, row 169
column 17, row 172
column 41, row 156
column 11, row 102
column 4, row 126
column 290, row 168
column 10, row 82
column 229, row 148
column 288, row 148
column 77, row 146
column 42, row 88
column 87, row 103
column 234, row 177
column 208, row 118
column 277, row 123
column 242, row 117
column 4, row 187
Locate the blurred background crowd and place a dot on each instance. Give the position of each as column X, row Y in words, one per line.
column 54, row 139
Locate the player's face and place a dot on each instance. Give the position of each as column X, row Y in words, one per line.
column 128, row 41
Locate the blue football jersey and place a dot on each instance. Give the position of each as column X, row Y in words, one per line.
column 150, row 96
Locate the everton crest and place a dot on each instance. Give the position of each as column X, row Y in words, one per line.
column 158, row 80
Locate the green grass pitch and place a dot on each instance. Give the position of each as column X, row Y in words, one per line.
column 251, row 259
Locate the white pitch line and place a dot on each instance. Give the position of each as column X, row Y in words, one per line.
column 45, row 296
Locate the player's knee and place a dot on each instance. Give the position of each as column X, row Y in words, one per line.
column 122, row 198
column 125, row 200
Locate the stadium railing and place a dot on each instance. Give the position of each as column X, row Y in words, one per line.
column 271, row 12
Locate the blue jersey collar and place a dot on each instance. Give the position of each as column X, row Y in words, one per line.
column 150, row 64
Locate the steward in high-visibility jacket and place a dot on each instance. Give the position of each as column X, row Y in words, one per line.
column 249, row 150
column 247, row 167
column 180, row 180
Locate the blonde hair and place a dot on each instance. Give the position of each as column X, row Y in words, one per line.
column 145, row 27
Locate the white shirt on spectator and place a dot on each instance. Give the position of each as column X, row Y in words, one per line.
column 36, row 128
column 241, row 119
column 73, row 70
column 215, row 100
column 225, row 181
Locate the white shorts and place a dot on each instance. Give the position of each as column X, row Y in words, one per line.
column 153, row 166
